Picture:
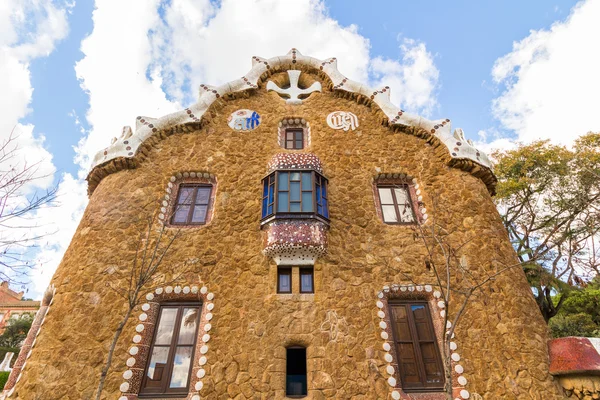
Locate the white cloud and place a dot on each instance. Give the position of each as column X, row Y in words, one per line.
column 413, row 81
column 142, row 62
column 551, row 80
column 59, row 223
column 29, row 29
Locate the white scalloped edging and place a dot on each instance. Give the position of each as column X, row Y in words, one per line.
column 460, row 382
column 128, row 144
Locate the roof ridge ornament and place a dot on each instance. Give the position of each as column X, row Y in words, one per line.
column 293, row 91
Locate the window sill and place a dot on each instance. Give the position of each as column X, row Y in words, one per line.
column 296, row 296
column 306, row 216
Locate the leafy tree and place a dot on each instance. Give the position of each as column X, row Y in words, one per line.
column 580, row 324
column 16, row 330
column 549, row 200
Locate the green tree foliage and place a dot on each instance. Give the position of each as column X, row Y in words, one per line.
column 3, row 378
column 579, row 324
column 580, row 313
column 16, row 330
column 549, row 200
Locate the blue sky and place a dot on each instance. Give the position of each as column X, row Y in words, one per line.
column 502, row 71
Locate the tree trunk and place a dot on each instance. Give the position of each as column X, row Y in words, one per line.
column 110, row 353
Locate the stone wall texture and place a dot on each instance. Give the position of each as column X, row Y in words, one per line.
column 502, row 336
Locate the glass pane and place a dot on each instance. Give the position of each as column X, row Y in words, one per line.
column 181, row 367
column 306, row 282
column 289, row 135
column 181, row 214
column 289, row 144
column 406, row 214
column 185, row 195
column 295, row 176
column 401, row 195
column 295, row 191
column 319, row 209
column 203, row 195
column 166, row 326
column 307, row 201
column 389, row 213
column 158, row 364
column 187, row 329
column 285, row 282
column 266, row 187
column 282, row 181
column 283, row 200
column 199, row 214
column 299, row 144
column 325, row 209
column 271, row 194
column 306, row 181
column 324, row 189
column 264, row 207
column 295, row 207
column 385, row 194
column 270, row 210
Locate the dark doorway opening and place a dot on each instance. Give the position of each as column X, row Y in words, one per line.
column 295, row 382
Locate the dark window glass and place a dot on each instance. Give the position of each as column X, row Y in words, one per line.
column 284, row 280
column 191, row 206
column 307, row 280
column 292, row 192
column 396, row 204
column 294, row 138
column 172, row 350
column 419, row 361
column 295, row 382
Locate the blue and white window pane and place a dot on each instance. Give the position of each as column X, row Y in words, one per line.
column 181, row 367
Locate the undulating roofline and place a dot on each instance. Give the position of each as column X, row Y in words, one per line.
column 123, row 150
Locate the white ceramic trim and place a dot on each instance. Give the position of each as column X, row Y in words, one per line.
column 128, row 143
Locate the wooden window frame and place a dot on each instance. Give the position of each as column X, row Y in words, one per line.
column 411, row 201
column 188, row 221
column 166, row 392
column 298, row 135
column 416, row 346
column 280, row 271
column 311, row 271
column 271, row 184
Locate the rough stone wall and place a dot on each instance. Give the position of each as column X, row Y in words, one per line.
column 502, row 336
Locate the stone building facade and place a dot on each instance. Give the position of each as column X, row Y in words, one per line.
column 300, row 196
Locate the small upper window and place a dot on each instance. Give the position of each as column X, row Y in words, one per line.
column 396, row 204
column 284, row 280
column 294, row 133
column 295, row 194
column 192, row 204
column 294, row 138
column 307, row 280
column 172, row 350
column 295, row 374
